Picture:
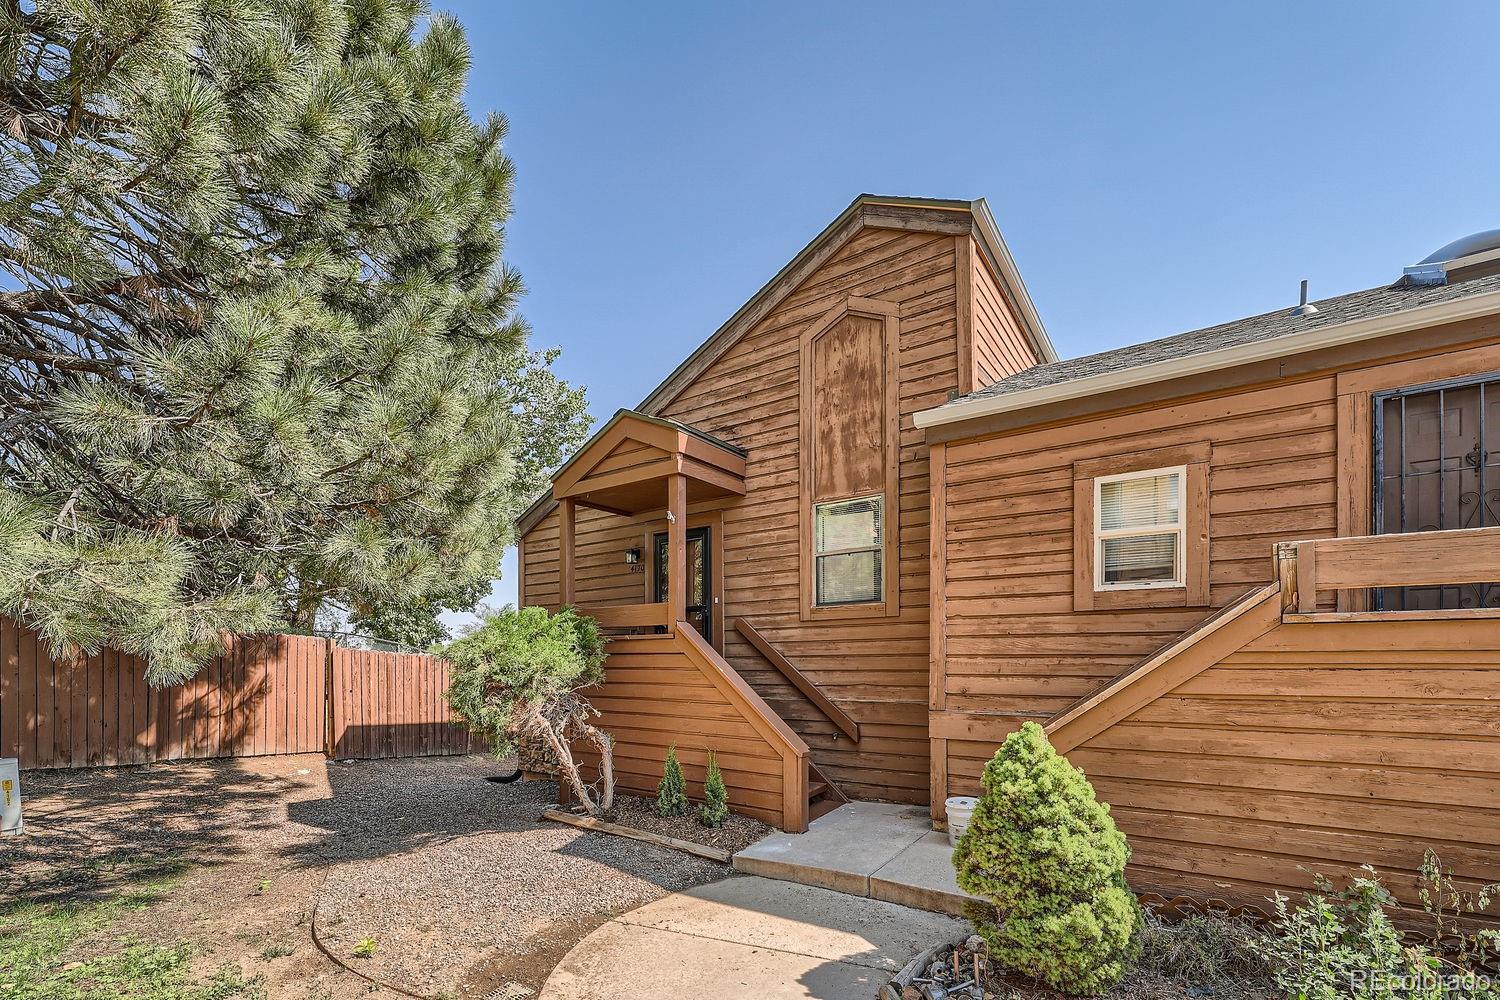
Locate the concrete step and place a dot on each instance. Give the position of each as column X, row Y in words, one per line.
column 873, row 849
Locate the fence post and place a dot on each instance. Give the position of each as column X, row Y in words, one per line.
column 328, row 744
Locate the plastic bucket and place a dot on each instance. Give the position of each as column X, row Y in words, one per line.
column 960, row 808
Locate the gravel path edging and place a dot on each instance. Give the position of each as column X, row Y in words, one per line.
column 601, row 826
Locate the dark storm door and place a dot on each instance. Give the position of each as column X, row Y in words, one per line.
column 699, row 591
column 1437, row 462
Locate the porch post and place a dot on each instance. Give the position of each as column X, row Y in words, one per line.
column 676, row 549
column 567, row 511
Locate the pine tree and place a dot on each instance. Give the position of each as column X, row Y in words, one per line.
column 671, row 792
column 715, row 808
column 259, row 351
column 1045, row 852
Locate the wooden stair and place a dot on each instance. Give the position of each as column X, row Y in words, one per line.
column 823, row 796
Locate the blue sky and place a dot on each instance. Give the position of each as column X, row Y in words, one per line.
column 1154, row 168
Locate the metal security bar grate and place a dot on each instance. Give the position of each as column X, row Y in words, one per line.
column 1435, row 471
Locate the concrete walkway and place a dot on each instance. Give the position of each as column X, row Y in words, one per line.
column 748, row 939
column 883, row 851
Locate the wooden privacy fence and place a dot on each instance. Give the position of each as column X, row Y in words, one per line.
column 265, row 694
column 391, row 705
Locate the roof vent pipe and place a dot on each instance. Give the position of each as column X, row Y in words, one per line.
column 1304, row 307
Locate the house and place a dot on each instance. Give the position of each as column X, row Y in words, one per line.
column 1243, row 575
column 786, row 452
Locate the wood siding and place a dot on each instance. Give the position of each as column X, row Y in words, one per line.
column 658, row 692
column 1317, row 747
column 1000, row 345
column 876, row 669
column 1016, row 649
column 1319, row 743
column 1281, row 458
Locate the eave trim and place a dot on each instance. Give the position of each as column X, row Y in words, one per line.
column 1366, row 328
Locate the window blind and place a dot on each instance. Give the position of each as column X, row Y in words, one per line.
column 849, row 550
column 1144, row 502
column 1139, row 530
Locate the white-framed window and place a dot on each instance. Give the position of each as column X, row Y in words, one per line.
column 849, row 551
column 1139, row 531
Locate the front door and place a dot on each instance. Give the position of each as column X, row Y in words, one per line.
column 1437, row 467
column 700, row 599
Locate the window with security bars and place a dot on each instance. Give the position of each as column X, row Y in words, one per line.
column 1139, row 530
column 849, row 551
column 1434, row 471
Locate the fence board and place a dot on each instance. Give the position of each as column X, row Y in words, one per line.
column 271, row 694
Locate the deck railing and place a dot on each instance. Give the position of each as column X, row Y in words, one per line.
column 630, row 616
column 1416, row 559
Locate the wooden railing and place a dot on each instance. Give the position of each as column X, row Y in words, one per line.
column 799, row 680
column 772, row 727
column 629, row 615
column 1416, row 559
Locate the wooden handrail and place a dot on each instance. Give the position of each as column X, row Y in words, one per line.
column 1415, row 559
column 799, row 680
column 754, row 710
column 628, row 615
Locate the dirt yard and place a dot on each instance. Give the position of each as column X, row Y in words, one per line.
column 417, row 873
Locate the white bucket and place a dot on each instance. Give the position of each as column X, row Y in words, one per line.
column 960, row 808
column 10, row 797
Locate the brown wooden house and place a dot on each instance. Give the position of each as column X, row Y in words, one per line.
column 1245, row 576
column 780, row 466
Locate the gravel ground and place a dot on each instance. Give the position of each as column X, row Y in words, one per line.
column 462, row 886
column 737, row 833
column 439, row 914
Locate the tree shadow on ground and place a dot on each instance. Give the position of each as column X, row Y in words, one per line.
column 381, row 808
column 90, row 830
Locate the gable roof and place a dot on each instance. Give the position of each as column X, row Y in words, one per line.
column 1374, row 312
column 875, row 212
column 940, row 215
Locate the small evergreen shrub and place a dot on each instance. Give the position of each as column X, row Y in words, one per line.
column 671, row 793
column 1045, row 852
column 518, row 679
column 715, row 808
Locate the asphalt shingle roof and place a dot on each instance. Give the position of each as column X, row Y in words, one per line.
column 1267, row 326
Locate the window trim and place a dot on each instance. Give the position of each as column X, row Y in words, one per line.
column 889, row 606
column 1100, row 534
column 878, row 549
column 1194, row 590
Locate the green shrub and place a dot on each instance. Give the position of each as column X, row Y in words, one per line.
column 1455, row 911
column 517, row 678
column 671, row 793
column 1044, row 851
column 1337, row 944
column 715, row 808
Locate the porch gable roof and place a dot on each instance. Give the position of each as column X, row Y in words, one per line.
column 623, row 467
